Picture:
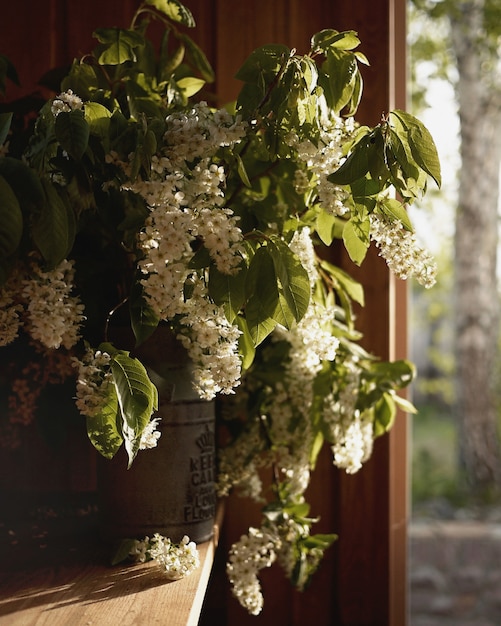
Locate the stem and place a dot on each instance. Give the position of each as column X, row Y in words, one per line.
column 267, row 95
column 144, row 9
column 110, row 315
column 276, row 80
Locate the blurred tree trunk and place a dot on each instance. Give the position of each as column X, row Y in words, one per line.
column 476, row 243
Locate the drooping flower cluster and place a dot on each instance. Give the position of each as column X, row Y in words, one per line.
column 211, row 342
column 252, row 553
column 10, row 310
column 401, row 251
column 350, row 430
column 311, row 342
column 53, row 367
column 239, row 465
column 177, row 560
column 93, row 381
column 185, row 194
column 321, row 159
column 43, row 303
column 54, row 314
column 287, row 421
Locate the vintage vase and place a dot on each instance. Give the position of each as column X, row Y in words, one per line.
column 169, row 489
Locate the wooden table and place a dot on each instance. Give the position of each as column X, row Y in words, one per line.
column 54, row 571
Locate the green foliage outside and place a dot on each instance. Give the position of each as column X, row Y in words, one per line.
column 436, row 448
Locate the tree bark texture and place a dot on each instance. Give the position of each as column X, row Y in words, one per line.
column 476, row 242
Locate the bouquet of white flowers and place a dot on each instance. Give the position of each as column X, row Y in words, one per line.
column 133, row 194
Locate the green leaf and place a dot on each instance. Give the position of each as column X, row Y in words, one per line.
column 292, row 276
column 320, row 540
column 337, row 78
column 120, row 45
column 421, row 143
column 246, row 347
column 364, row 191
column 190, row 85
column 325, row 227
column 356, row 238
column 283, row 314
column 25, row 184
column 267, row 60
column 81, row 79
column 98, row 118
column 137, row 399
column 405, row 171
column 200, row 259
column 11, row 220
column 357, row 164
column 228, row 290
column 262, row 295
column 102, row 428
column 143, row 320
column 168, row 63
column 385, row 412
column 397, row 211
column 72, row 132
column 5, row 120
column 400, row 372
column 316, row 447
column 328, row 38
column 242, row 172
column 404, row 404
column 123, row 551
column 174, row 10
column 356, row 95
column 198, row 58
column 52, row 230
column 351, row 286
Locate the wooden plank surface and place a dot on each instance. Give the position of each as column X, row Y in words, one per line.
column 56, row 573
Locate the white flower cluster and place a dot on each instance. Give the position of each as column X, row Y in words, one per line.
column 351, row 430
column 150, row 435
column 93, row 381
column 291, row 532
column 399, row 247
column 9, row 313
column 238, row 465
column 177, row 560
column 249, row 555
column 185, row 195
column 200, row 132
column 311, row 343
column 321, row 160
column 353, row 442
column 65, row 102
column 212, row 343
column 54, row 315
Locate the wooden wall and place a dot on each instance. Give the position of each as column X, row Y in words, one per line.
column 363, row 580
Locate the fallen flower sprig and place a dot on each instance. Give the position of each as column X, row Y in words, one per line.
column 177, row 560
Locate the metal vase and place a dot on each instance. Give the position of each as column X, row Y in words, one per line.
column 169, row 489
